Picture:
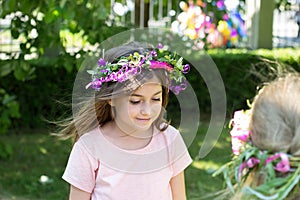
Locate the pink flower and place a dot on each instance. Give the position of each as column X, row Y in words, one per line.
column 221, row 5
column 284, row 165
column 250, row 163
column 240, row 132
column 160, row 65
column 226, row 17
column 271, row 158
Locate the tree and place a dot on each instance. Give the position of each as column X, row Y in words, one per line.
column 43, row 28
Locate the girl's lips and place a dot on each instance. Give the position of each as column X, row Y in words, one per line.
column 143, row 119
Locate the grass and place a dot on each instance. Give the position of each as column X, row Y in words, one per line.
column 38, row 155
column 34, row 155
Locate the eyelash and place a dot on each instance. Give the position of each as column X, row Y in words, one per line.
column 134, row 102
column 137, row 102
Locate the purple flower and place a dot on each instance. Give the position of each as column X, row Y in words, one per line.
column 183, row 86
column 176, row 89
column 101, row 62
column 153, row 53
column 160, row 46
column 186, row 68
column 104, row 70
column 96, row 84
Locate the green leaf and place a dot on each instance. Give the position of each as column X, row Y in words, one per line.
column 51, row 16
column 92, row 72
column 15, row 33
column 23, row 71
column 249, row 190
column 9, row 5
column 14, row 109
column 62, row 3
column 101, row 13
column 276, row 182
column 7, row 98
column 6, row 69
column 68, row 65
column 5, row 150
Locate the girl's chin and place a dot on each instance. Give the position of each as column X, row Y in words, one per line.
column 143, row 124
column 136, row 126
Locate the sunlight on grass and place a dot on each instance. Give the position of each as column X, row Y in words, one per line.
column 43, row 150
column 205, row 165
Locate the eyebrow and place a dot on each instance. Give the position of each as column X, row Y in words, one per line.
column 138, row 95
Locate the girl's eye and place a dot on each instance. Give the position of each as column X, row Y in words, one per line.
column 134, row 102
column 156, row 99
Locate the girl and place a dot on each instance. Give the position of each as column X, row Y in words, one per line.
column 266, row 144
column 124, row 148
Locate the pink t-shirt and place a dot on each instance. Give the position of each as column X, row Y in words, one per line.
column 110, row 173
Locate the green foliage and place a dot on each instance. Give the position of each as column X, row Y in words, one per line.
column 9, row 109
column 5, row 151
column 35, row 168
column 33, row 75
column 282, row 5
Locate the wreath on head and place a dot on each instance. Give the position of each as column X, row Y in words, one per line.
column 281, row 171
column 135, row 63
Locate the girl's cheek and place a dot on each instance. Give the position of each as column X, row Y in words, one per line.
column 157, row 107
column 133, row 108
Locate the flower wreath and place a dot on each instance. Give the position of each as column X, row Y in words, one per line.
column 125, row 67
column 247, row 157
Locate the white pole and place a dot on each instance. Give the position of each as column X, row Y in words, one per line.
column 160, row 9
column 142, row 10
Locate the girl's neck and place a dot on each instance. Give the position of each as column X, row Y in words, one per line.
column 138, row 134
column 128, row 141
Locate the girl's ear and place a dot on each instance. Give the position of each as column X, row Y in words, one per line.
column 110, row 102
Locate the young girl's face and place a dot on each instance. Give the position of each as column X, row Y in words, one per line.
column 136, row 112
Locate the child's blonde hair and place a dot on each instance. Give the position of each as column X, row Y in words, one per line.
column 99, row 105
column 275, row 121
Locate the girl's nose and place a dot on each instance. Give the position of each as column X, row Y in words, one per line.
column 146, row 109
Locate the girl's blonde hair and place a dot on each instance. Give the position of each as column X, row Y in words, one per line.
column 99, row 105
column 275, row 121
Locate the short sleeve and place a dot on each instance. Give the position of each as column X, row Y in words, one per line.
column 181, row 163
column 181, row 158
column 81, row 168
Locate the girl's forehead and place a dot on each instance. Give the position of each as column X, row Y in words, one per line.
column 148, row 88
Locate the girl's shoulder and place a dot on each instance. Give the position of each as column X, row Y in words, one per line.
column 171, row 133
column 171, row 130
column 90, row 135
column 90, row 140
